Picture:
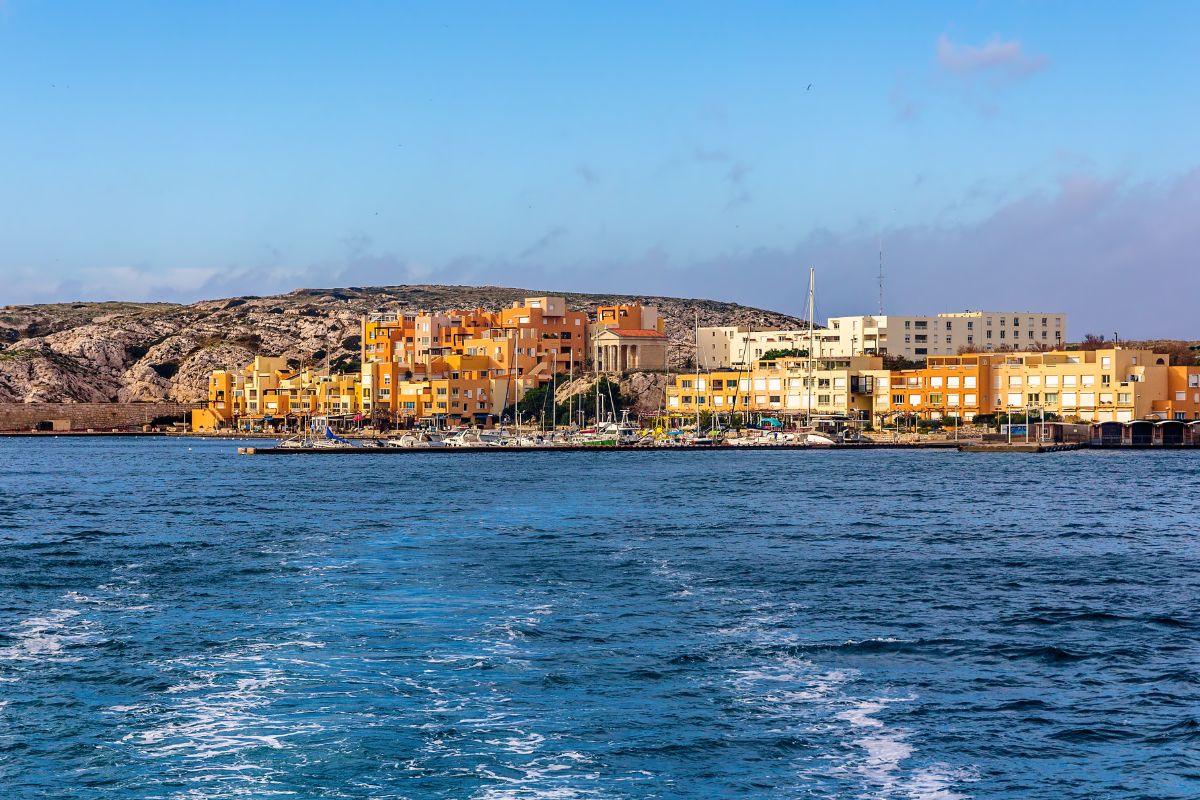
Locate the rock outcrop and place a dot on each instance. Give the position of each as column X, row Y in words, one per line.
column 126, row 352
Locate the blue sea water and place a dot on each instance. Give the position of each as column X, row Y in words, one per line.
column 177, row 621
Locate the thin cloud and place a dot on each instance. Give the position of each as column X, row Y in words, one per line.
column 1108, row 252
column 544, row 242
column 586, row 174
column 995, row 56
column 735, row 175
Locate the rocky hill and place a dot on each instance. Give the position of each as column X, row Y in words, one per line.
column 129, row 352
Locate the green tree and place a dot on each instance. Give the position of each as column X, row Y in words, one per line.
column 772, row 355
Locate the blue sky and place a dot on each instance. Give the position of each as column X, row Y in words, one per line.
column 1007, row 155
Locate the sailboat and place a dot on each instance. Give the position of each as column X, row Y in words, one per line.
column 810, row 435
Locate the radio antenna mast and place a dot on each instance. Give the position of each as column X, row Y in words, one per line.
column 881, row 276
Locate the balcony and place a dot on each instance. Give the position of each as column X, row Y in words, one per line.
column 862, row 384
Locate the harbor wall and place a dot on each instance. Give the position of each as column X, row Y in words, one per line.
column 97, row 416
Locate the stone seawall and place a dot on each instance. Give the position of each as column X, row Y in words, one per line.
column 97, row 416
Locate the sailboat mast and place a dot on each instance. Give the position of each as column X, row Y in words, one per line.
column 812, row 287
column 696, row 381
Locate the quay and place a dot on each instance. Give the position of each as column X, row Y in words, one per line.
column 1018, row 447
column 575, row 448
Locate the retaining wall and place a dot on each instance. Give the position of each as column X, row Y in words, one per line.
column 98, row 416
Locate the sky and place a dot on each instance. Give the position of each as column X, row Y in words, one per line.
column 1003, row 156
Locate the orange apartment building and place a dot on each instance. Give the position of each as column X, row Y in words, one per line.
column 947, row 386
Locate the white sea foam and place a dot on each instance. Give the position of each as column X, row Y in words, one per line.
column 212, row 717
column 934, row 783
column 45, row 638
column 521, row 745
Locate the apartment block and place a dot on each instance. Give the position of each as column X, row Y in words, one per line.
column 785, row 386
column 918, row 337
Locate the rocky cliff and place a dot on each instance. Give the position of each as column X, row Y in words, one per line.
column 128, row 352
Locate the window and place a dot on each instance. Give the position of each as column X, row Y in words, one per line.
column 1014, row 380
column 1069, row 399
column 969, row 382
column 897, row 399
column 969, row 399
column 1014, row 398
column 952, row 382
column 951, row 399
column 1123, row 397
column 1051, row 398
column 1087, row 380
column 1069, row 380
column 935, row 382
column 922, row 351
column 1033, row 397
column 1181, row 395
column 774, row 398
column 1106, row 397
column 1087, row 398
column 935, row 399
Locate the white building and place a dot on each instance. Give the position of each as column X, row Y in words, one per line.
column 915, row 337
column 911, row 337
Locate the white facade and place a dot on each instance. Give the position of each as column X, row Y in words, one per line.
column 915, row 337
column 912, row 337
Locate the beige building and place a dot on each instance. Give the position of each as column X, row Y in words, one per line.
column 786, row 387
column 620, row 349
column 1114, row 385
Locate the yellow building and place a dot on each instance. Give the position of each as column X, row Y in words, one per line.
column 791, row 387
column 1113, row 384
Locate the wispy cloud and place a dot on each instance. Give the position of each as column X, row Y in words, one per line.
column 1109, row 252
column 586, row 174
column 544, row 242
column 735, row 174
column 995, row 56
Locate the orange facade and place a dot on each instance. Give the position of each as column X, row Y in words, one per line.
column 1182, row 401
column 947, row 386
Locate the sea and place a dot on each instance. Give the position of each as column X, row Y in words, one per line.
column 179, row 621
